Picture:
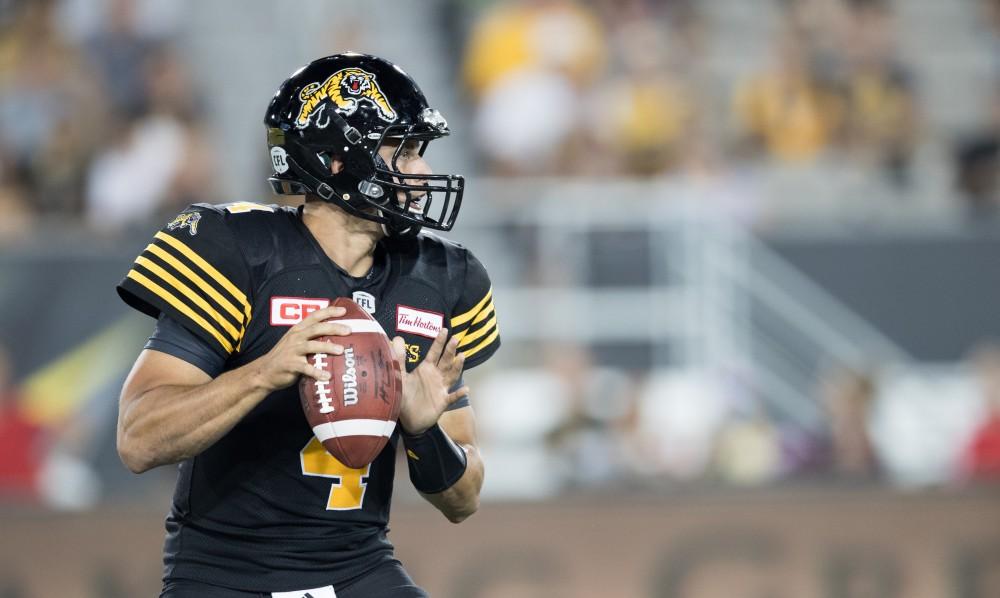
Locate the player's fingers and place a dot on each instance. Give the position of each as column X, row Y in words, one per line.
column 304, row 326
column 307, row 369
column 434, row 353
column 327, row 329
column 448, row 356
column 454, row 369
column 321, row 314
column 399, row 349
column 456, row 395
column 451, row 367
column 322, row 347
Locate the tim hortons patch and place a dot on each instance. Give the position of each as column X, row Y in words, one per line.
column 418, row 321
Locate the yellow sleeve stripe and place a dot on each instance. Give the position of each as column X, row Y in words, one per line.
column 485, row 313
column 197, row 280
column 181, row 307
column 190, row 294
column 207, row 268
column 465, row 317
column 486, row 343
column 467, row 340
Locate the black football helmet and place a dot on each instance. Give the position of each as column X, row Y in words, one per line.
column 347, row 106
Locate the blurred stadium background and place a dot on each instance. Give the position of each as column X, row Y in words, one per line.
column 744, row 255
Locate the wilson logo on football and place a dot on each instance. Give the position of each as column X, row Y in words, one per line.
column 418, row 321
column 289, row 311
column 350, row 378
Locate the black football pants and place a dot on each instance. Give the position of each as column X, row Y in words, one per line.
column 389, row 580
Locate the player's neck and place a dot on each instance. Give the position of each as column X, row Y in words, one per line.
column 348, row 241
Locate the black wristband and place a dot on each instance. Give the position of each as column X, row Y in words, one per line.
column 435, row 461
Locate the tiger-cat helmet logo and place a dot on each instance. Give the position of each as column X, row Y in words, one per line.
column 346, row 90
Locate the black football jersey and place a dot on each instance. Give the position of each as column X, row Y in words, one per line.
column 266, row 507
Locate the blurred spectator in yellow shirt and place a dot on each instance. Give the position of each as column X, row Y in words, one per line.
column 883, row 124
column 787, row 110
column 644, row 111
column 525, row 65
column 558, row 35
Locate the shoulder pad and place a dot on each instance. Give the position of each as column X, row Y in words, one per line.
column 194, row 271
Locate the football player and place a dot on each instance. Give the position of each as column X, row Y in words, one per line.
column 241, row 294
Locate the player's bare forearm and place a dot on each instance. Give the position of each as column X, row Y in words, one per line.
column 462, row 500
column 170, row 410
column 168, row 423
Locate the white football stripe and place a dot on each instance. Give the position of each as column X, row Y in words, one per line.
column 362, row 326
column 354, row 427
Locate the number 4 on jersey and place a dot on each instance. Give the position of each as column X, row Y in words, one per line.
column 347, row 492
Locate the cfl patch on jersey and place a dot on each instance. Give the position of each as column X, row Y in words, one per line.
column 365, row 300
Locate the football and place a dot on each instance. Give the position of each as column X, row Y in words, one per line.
column 354, row 413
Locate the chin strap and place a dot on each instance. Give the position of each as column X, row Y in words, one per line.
column 398, row 228
column 312, row 183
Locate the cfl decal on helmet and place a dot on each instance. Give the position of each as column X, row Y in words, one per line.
column 279, row 159
column 346, row 90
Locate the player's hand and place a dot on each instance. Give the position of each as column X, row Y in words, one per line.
column 425, row 389
column 286, row 361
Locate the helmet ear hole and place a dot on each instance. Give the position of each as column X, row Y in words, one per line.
column 331, row 163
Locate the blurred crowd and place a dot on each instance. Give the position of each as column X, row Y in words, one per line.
column 99, row 119
column 573, row 424
column 608, row 87
column 599, row 429
column 102, row 125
